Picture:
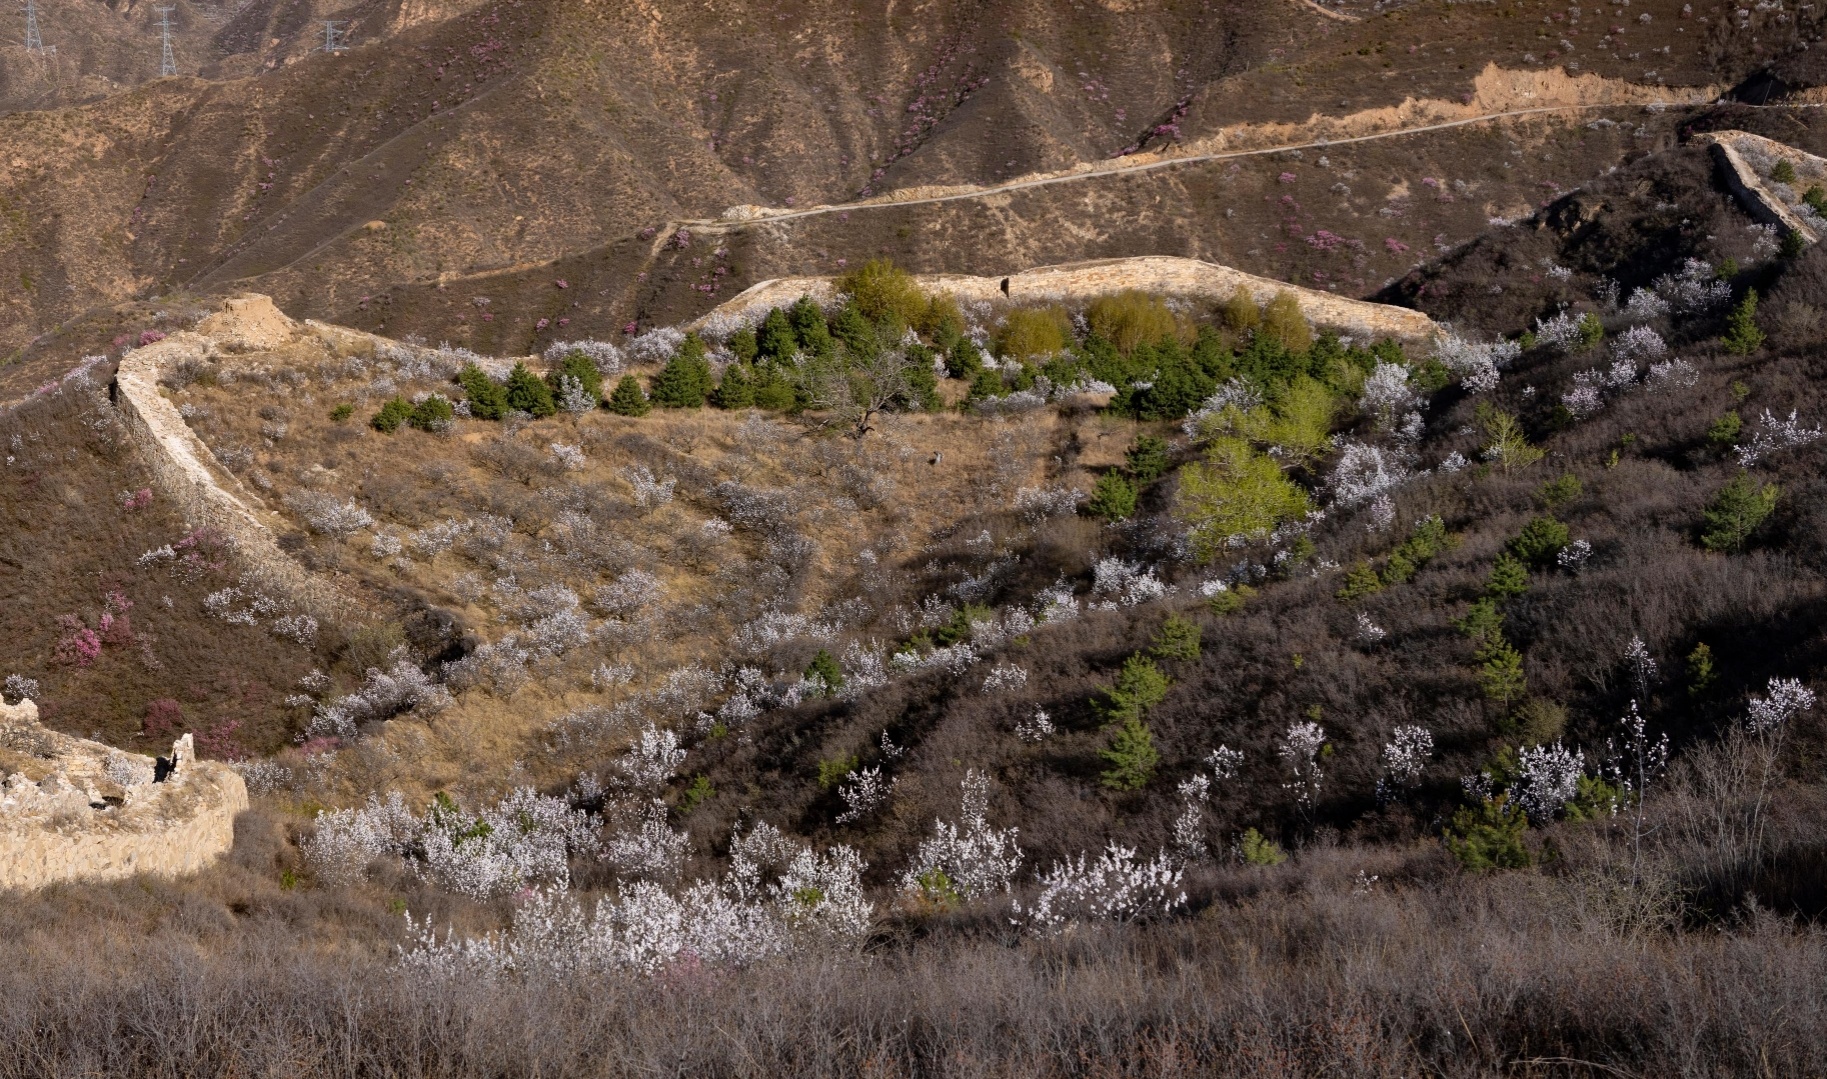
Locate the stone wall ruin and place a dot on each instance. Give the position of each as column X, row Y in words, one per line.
column 76, row 810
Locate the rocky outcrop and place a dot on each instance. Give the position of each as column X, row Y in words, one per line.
column 1078, row 282
column 72, row 809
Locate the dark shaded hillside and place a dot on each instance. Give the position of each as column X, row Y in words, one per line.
column 521, row 131
column 448, row 144
column 1646, row 476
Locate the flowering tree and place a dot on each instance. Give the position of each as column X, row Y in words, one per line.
column 652, row 759
column 1767, row 721
column 647, row 847
column 1638, row 763
column 1547, row 779
column 1117, row 887
column 525, row 838
column 1037, row 727
column 778, row 895
column 1404, row 756
column 402, row 687
column 1300, row 751
column 864, row 792
column 1386, row 394
column 967, row 860
column 1189, row 826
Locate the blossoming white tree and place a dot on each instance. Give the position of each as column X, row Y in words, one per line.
column 966, row 860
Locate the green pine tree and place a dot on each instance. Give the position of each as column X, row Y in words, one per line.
column 1360, row 581
column 1783, row 172
column 1742, row 337
column 1722, row 433
column 1400, row 567
column 1178, row 638
column 826, row 669
column 1113, row 498
column 810, row 327
column 922, row 383
column 628, row 400
column 964, row 359
column 1427, row 540
column 433, row 414
column 1147, row 460
column 776, row 341
column 986, row 383
column 1509, row 577
column 855, row 331
column 1558, row 492
column 1591, row 331
column 1500, row 670
column 527, row 393
column 1132, row 757
column 774, row 390
column 685, row 381
column 1258, row 849
column 1540, row 541
column 1700, row 673
column 743, row 345
column 1794, row 243
column 391, row 416
column 1489, row 836
column 1140, row 685
column 580, row 367
column 1737, row 511
column 487, row 399
column 737, row 390
column 958, row 628
column 1482, row 621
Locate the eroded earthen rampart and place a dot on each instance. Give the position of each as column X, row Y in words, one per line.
column 1079, row 282
column 76, row 810
column 1758, row 195
column 187, row 472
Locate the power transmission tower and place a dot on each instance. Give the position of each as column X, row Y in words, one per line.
column 33, row 42
column 168, row 64
column 333, row 37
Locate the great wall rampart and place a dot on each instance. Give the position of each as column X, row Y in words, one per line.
column 76, row 810
column 187, row 472
column 1079, row 282
column 1758, row 194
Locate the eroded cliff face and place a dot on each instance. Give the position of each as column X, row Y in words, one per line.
column 72, row 809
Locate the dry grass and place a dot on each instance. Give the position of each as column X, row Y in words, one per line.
column 1292, row 971
column 910, row 493
column 67, row 539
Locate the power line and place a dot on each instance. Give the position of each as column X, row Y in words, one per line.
column 33, row 42
column 168, row 64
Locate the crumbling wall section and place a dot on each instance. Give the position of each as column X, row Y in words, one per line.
column 76, row 810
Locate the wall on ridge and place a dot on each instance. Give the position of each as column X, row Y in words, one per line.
column 185, row 469
column 1078, row 282
column 1758, row 199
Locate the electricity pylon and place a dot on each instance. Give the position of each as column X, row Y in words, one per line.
column 168, row 64
column 33, row 42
